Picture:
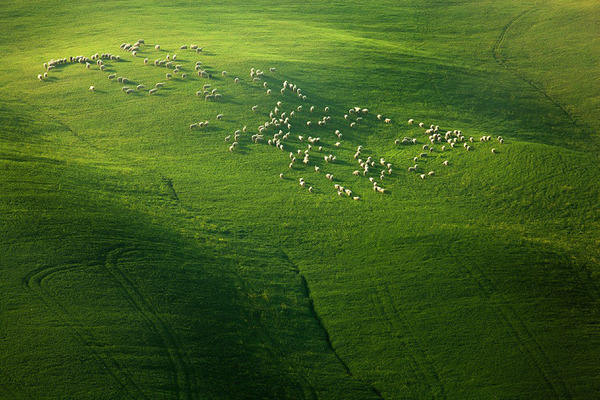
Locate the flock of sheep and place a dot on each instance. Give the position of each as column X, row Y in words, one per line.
column 284, row 119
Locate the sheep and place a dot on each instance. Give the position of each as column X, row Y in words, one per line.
column 272, row 69
column 129, row 91
column 468, row 148
column 231, row 148
column 91, row 89
column 308, row 123
column 352, row 125
column 208, row 96
column 193, row 47
column 299, row 108
column 40, row 77
column 220, row 116
column 236, row 80
column 501, row 141
column 387, row 121
column 46, row 76
column 140, row 87
column 317, row 169
column 184, row 47
column 227, row 138
column 422, row 176
column 302, row 183
column 494, row 151
column 152, row 91
column 326, row 109
column 194, row 126
column 159, row 85
column 268, row 92
column 330, row 177
column 254, row 108
column 431, row 173
column 281, row 176
column 224, row 73
column 88, row 65
column 125, row 88
column 411, row 121
column 157, row 47
column 169, row 76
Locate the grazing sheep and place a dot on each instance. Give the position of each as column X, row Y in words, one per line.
column 317, row 169
column 193, row 126
column 291, row 165
column 124, row 88
column 152, row 91
column 129, row 91
column 92, row 89
column 184, row 47
column 268, row 92
column 40, row 77
column 140, row 87
column 494, row 151
column 224, row 73
column 387, row 121
column 159, row 85
column 236, row 80
column 431, row 173
column 88, row 65
column 157, row 47
column 169, row 76
column 46, row 76
column 220, row 116
column 445, row 163
column 254, row 108
column 272, row 69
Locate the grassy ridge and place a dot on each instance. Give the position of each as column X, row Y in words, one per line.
column 473, row 284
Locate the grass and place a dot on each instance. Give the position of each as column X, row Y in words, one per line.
column 142, row 259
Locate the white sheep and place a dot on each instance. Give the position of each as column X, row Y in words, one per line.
column 268, row 92
column 40, row 77
column 152, row 91
column 92, row 89
column 281, row 176
column 493, row 151
column 411, row 121
column 220, row 116
column 157, row 47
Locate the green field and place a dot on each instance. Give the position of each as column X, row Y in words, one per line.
column 141, row 259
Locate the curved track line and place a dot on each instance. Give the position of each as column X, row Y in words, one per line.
column 521, row 334
column 497, row 55
column 184, row 375
column 33, row 282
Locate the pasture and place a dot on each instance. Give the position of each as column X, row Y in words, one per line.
column 145, row 255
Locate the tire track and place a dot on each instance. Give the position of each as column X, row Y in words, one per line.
column 501, row 61
column 34, row 283
column 184, row 375
column 425, row 367
column 522, row 335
